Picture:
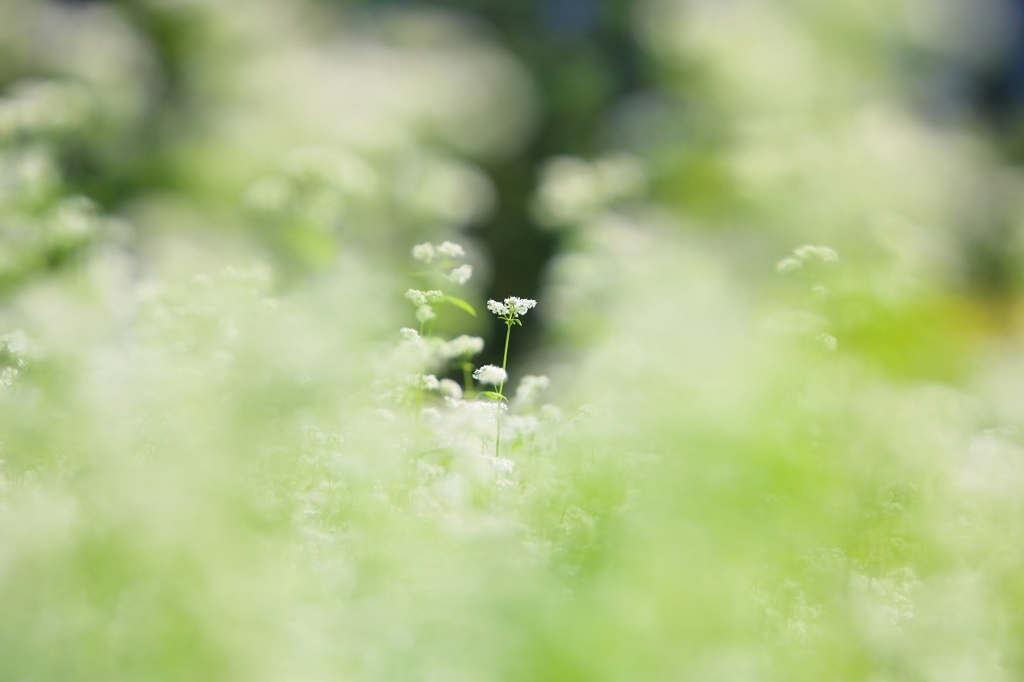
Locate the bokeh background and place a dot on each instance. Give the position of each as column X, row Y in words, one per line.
column 778, row 250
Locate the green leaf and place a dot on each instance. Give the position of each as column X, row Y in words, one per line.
column 495, row 395
column 458, row 302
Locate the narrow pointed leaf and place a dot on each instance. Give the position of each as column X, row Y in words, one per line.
column 458, row 302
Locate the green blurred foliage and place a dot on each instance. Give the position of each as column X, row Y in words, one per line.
column 779, row 303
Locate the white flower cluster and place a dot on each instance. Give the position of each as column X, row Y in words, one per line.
column 426, row 252
column 490, row 374
column 424, row 297
column 423, row 252
column 450, row 389
column 445, row 253
column 464, row 412
column 461, row 274
column 423, row 300
column 512, row 307
column 461, row 347
column 803, row 255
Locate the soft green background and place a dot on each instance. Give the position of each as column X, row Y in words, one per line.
column 206, row 211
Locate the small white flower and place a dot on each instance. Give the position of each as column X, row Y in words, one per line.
column 461, row 347
column 409, row 334
column 520, row 306
column 461, row 274
column 490, row 374
column 423, row 297
column 425, row 313
column 423, row 252
column 450, row 389
column 498, row 308
column 429, row 382
column 451, row 249
column 512, row 307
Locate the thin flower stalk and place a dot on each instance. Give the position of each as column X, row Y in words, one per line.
column 509, row 310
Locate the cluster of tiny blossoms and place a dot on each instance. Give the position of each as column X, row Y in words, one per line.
column 513, row 307
column 443, row 261
column 491, row 374
column 424, row 300
column 441, row 257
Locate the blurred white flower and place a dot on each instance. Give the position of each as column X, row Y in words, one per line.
column 425, row 313
column 822, row 253
column 788, row 264
column 490, row 374
column 461, row 274
column 450, row 249
column 461, row 347
column 423, row 252
column 424, row 297
column 450, row 389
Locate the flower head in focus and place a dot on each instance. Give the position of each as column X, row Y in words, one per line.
column 512, row 308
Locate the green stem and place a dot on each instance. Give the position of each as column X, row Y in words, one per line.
column 501, row 388
column 504, row 358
